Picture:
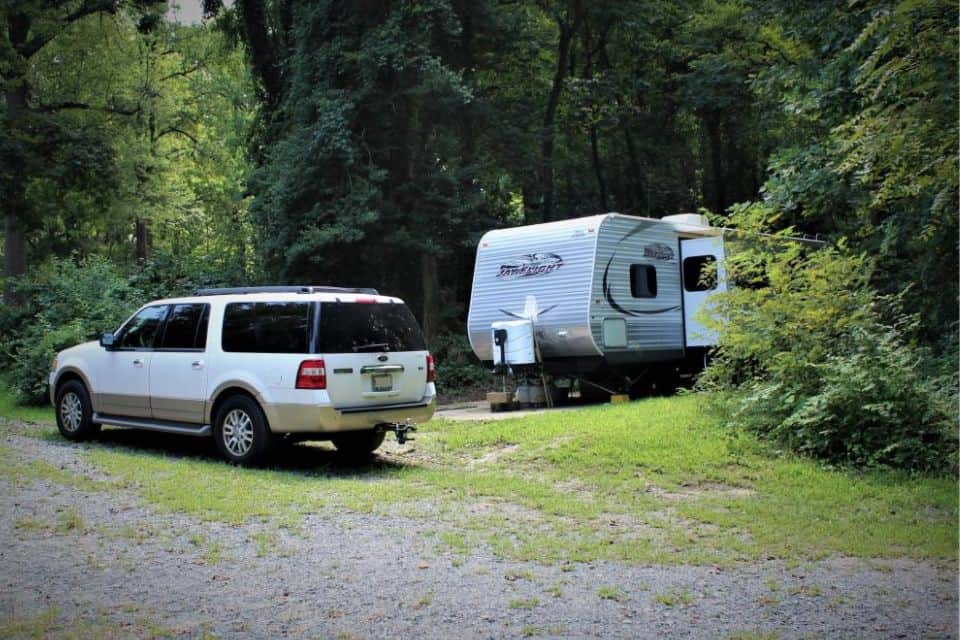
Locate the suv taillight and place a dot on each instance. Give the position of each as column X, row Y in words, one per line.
column 312, row 375
column 431, row 369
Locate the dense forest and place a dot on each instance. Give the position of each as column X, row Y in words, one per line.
column 371, row 142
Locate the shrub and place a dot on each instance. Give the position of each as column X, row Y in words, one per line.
column 65, row 303
column 816, row 361
column 458, row 370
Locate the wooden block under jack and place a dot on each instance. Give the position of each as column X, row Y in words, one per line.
column 499, row 398
column 618, row 398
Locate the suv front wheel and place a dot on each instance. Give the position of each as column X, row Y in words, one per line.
column 241, row 431
column 74, row 412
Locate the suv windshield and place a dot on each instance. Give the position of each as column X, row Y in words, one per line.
column 352, row 327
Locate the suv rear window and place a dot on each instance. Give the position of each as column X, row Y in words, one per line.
column 351, row 327
column 266, row 327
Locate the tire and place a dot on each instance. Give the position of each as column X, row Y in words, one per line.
column 358, row 444
column 241, row 432
column 75, row 412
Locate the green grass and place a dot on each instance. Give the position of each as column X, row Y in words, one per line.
column 654, row 481
column 48, row 624
column 614, row 593
column 674, row 597
column 524, row 603
column 11, row 410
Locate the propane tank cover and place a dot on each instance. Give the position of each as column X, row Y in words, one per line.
column 518, row 347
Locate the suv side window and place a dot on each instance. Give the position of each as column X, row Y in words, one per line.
column 186, row 327
column 266, row 327
column 141, row 331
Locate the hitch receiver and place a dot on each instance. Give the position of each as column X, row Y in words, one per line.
column 400, row 429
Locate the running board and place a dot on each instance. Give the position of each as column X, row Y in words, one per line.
column 182, row 428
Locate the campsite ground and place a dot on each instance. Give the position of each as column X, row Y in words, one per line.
column 643, row 520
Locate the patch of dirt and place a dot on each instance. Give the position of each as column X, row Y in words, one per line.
column 493, row 455
column 710, row 490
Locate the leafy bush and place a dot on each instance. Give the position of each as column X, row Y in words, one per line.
column 458, row 370
column 65, row 303
column 813, row 359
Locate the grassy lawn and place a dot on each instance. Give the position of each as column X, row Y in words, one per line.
column 653, row 481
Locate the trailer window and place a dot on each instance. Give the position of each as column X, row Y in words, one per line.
column 699, row 274
column 643, row 281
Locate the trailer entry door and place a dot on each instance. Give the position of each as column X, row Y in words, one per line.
column 703, row 275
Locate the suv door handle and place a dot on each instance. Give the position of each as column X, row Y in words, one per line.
column 197, row 364
column 138, row 362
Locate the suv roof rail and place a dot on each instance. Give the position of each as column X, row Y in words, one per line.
column 223, row 291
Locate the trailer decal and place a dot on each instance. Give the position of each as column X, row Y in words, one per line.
column 657, row 250
column 530, row 264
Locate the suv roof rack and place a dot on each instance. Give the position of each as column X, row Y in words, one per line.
column 223, row 291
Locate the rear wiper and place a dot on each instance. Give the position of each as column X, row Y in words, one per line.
column 372, row 346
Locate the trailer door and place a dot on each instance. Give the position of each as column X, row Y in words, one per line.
column 703, row 275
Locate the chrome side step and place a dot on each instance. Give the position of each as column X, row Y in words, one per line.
column 166, row 426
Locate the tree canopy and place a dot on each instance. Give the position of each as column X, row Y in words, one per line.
column 371, row 143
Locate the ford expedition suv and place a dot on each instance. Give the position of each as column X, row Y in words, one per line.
column 246, row 365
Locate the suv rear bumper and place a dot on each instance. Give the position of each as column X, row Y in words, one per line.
column 299, row 418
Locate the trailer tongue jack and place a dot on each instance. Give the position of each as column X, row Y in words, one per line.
column 400, row 429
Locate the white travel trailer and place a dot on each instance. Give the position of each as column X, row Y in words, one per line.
column 607, row 299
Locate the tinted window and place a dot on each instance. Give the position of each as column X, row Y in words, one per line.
column 141, row 331
column 266, row 327
column 186, row 327
column 350, row 327
column 698, row 275
column 643, row 281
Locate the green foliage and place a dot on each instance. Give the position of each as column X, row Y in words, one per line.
column 820, row 363
column 871, row 101
column 458, row 370
column 66, row 304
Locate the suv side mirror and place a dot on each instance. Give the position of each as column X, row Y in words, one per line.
column 106, row 340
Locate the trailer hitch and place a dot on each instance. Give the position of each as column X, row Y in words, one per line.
column 400, row 429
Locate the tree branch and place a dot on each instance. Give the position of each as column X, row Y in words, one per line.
column 61, row 106
column 169, row 130
column 36, row 43
column 183, row 73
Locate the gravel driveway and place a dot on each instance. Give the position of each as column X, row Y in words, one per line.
column 109, row 564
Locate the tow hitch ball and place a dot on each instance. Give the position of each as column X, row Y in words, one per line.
column 401, row 430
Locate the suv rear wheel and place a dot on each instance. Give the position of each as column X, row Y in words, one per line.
column 241, row 432
column 358, row 443
column 74, row 412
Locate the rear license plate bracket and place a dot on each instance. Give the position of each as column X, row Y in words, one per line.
column 382, row 382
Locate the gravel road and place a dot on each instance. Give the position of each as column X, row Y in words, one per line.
column 111, row 560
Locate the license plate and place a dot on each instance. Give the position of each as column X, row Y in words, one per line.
column 383, row 382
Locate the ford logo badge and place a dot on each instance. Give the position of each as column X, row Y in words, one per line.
column 382, row 357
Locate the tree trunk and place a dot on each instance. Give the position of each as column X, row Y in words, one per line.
column 430, row 284
column 597, row 169
column 142, row 235
column 717, row 195
column 13, row 204
column 567, row 31
column 641, row 202
column 15, row 256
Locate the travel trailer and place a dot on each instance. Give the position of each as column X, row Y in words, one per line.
column 606, row 302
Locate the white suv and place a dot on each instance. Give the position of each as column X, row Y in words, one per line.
column 248, row 364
